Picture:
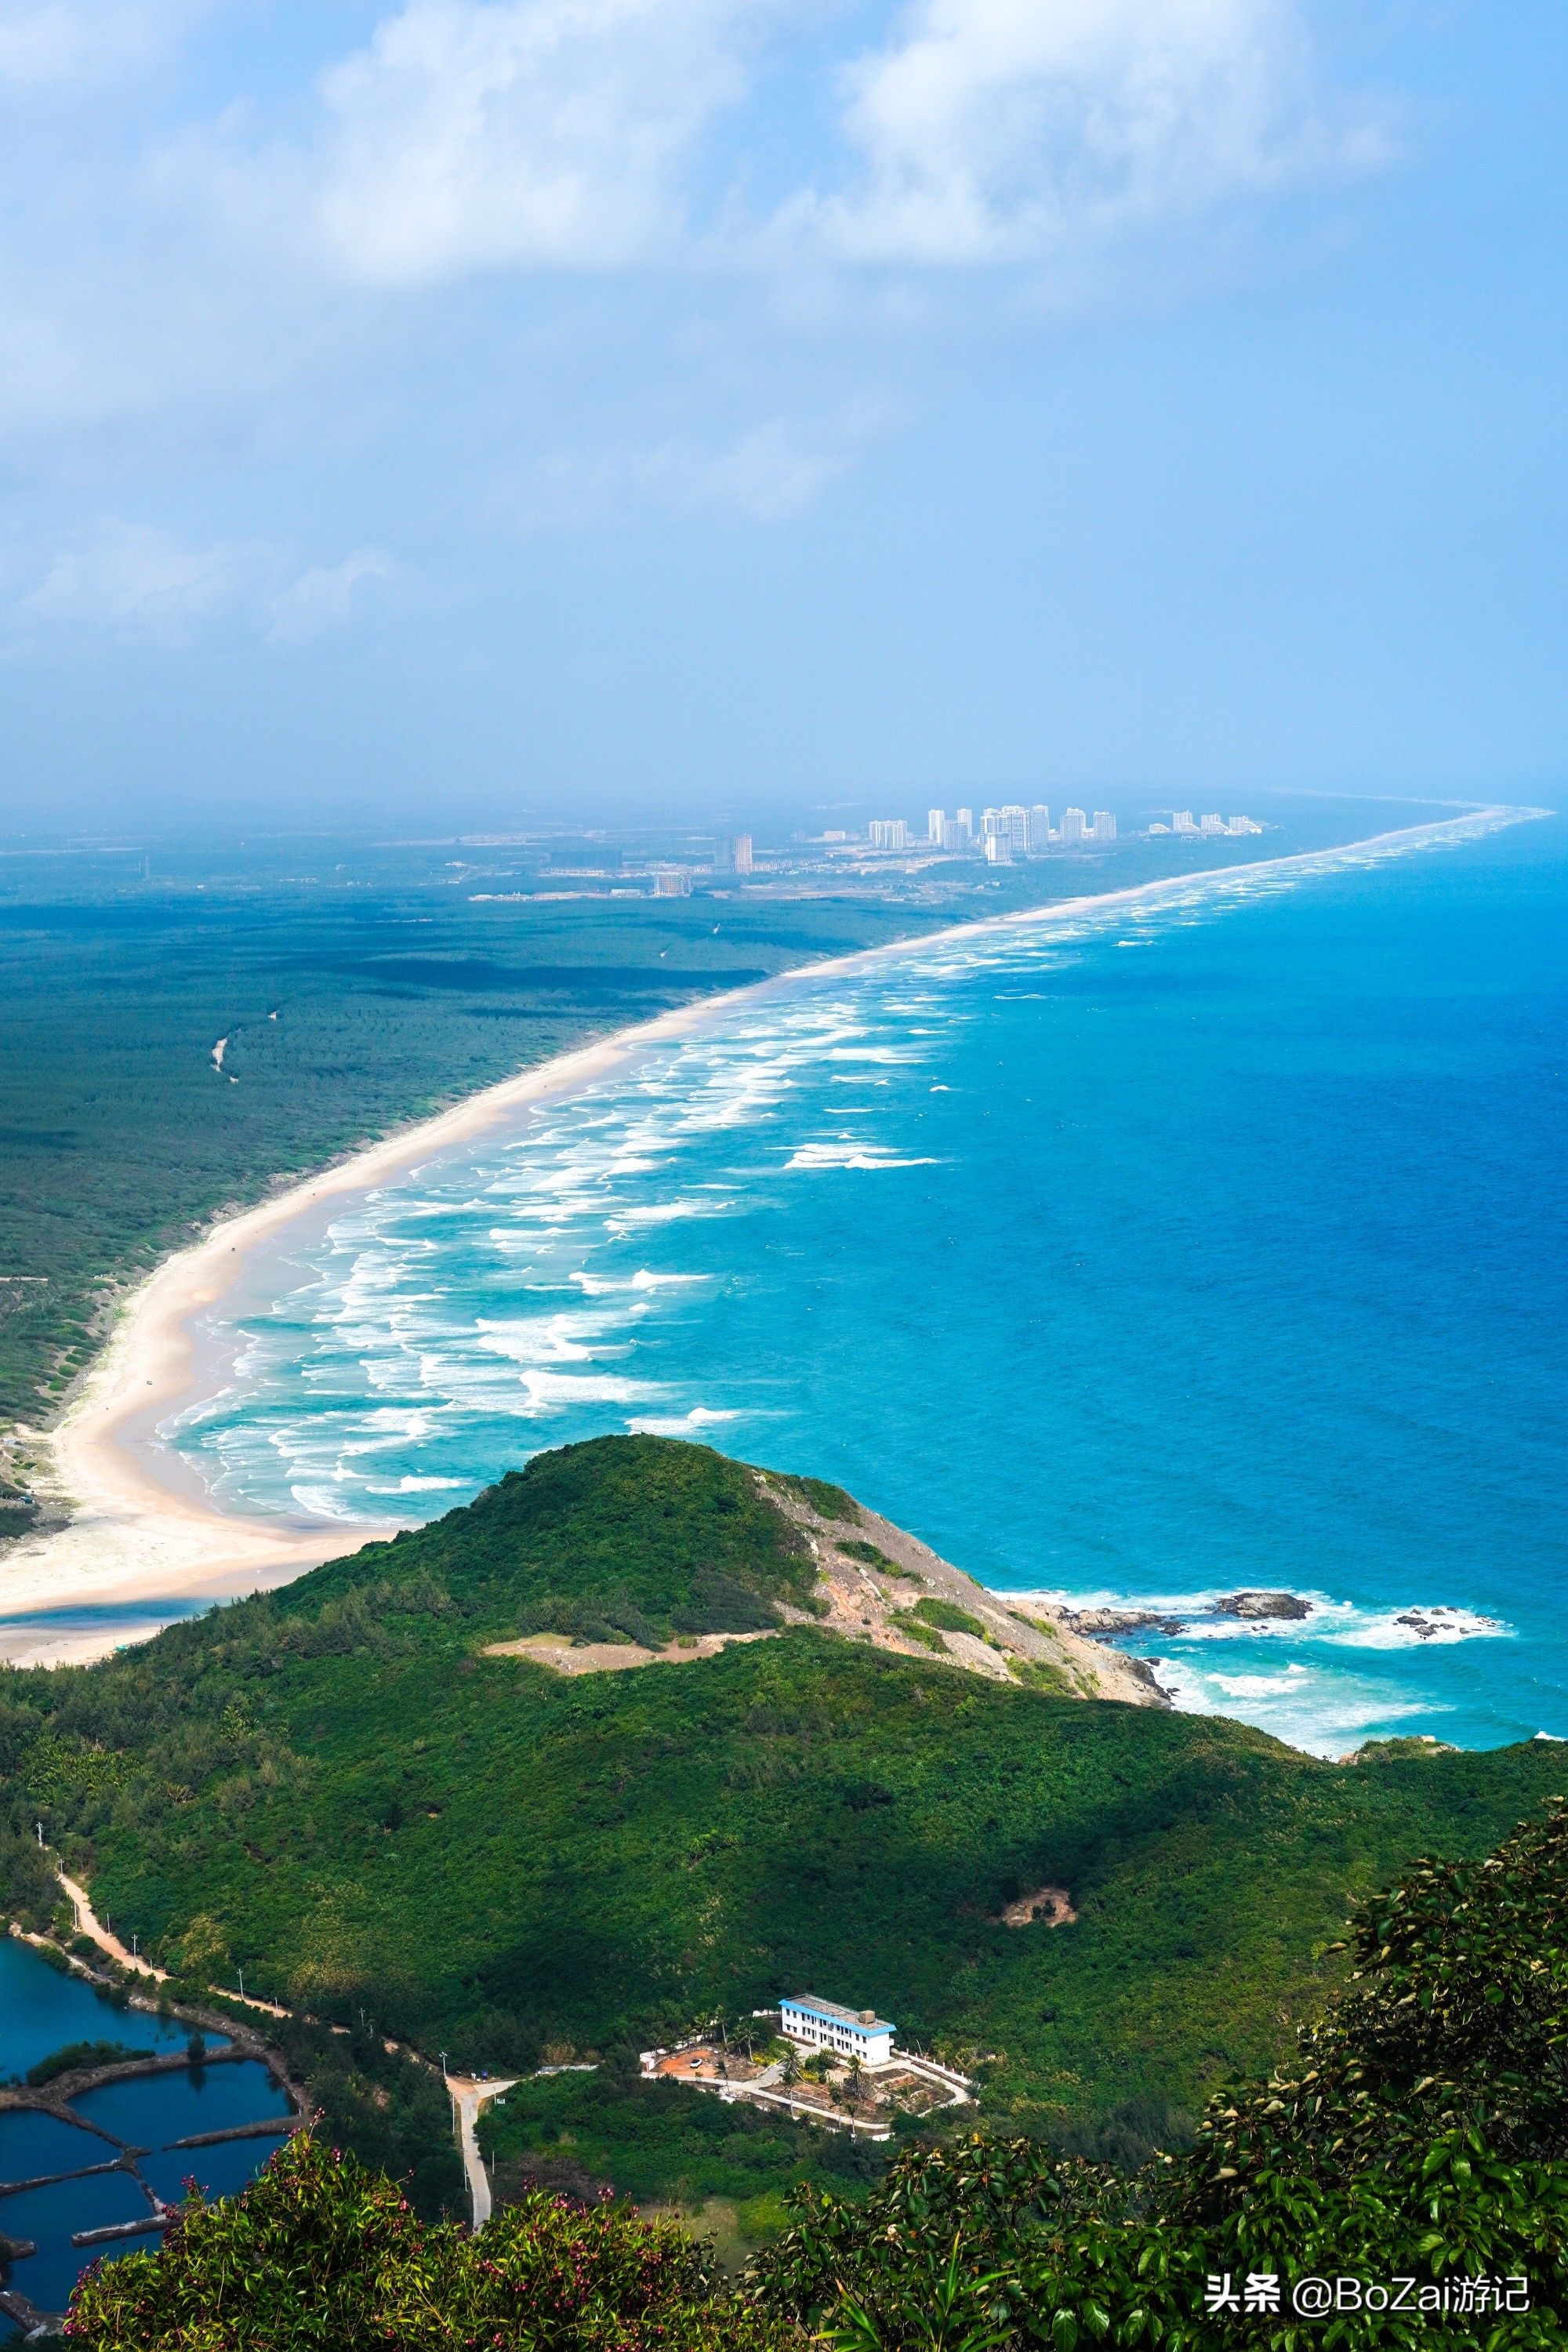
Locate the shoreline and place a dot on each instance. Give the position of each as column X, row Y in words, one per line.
column 141, row 1538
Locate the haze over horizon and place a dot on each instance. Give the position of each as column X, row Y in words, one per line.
column 486, row 404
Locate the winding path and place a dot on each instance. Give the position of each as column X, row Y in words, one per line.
column 468, row 2096
column 91, row 1925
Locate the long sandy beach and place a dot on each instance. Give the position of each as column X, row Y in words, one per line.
column 144, row 1539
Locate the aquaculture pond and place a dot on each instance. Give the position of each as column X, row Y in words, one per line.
column 41, row 2010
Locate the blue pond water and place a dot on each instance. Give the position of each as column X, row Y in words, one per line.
column 40, row 2011
column 1208, row 1239
column 209, row 2099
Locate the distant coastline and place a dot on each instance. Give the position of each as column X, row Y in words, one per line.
column 142, row 1536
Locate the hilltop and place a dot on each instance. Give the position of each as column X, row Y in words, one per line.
column 625, row 1550
column 361, row 1791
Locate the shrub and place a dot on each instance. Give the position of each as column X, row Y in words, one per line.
column 947, row 1616
column 74, row 2055
column 1420, row 2135
column 855, row 1547
column 321, row 2255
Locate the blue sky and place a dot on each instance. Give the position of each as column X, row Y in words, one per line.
column 592, row 406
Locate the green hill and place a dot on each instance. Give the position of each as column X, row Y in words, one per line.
column 634, row 1538
column 336, row 1787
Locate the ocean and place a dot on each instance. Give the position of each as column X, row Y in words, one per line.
column 1204, row 1241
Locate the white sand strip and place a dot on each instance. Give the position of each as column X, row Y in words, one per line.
column 136, row 1536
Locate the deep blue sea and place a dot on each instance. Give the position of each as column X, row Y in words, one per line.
column 1208, row 1240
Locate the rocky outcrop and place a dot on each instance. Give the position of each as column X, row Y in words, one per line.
column 1263, row 1604
column 1095, row 1622
column 873, row 1578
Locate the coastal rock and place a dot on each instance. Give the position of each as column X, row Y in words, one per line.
column 880, row 1585
column 1253, row 1605
column 1099, row 1623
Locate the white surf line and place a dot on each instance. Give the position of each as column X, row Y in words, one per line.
column 133, row 1536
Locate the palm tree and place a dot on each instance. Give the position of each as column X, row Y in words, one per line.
column 855, row 2071
column 789, row 2073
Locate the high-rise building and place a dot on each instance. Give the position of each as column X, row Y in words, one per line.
column 1075, row 825
column 998, row 849
column 1243, row 824
column 1104, row 826
column 889, row 832
column 1016, row 821
column 724, row 856
column 936, row 825
column 966, row 819
column 672, row 885
column 955, row 836
column 1212, row 823
column 1039, row 826
column 1182, row 821
column 742, row 853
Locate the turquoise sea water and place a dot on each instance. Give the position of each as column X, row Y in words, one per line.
column 1208, row 1240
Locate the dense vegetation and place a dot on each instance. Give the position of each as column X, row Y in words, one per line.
column 319, row 2252
column 627, row 1538
column 1409, row 2164
column 72, row 2054
column 335, row 1788
column 661, row 2144
column 386, row 2104
column 1417, row 2144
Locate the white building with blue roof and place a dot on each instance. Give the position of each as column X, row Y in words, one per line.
column 847, row 2033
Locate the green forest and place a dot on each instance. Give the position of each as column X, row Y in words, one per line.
column 1398, row 2182
column 335, row 1788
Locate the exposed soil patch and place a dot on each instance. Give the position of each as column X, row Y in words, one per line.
column 1049, row 1907
column 567, row 1657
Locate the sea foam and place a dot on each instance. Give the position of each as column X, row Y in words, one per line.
column 1133, row 1311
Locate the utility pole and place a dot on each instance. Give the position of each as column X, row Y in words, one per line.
column 242, row 1984
column 39, row 1827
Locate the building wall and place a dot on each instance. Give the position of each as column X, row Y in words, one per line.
column 831, row 2033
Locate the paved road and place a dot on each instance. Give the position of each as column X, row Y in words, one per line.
column 468, row 2098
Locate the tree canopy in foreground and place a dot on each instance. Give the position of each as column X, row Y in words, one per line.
column 1410, row 2162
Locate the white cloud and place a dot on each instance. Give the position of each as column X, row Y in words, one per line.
column 143, row 581
column 275, row 286
column 522, row 132
column 131, row 576
column 322, row 597
column 1010, row 130
column 766, row 474
column 46, row 43
column 569, row 133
